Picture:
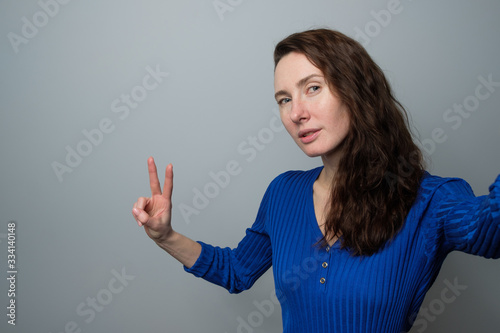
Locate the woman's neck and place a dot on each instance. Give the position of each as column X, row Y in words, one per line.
column 330, row 167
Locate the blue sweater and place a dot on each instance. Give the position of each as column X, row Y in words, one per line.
column 328, row 289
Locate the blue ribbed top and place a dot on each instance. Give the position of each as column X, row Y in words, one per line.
column 328, row 289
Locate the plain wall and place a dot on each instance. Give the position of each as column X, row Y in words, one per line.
column 70, row 75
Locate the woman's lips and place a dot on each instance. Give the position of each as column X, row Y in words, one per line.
column 308, row 135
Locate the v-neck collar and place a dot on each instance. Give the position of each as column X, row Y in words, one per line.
column 311, row 215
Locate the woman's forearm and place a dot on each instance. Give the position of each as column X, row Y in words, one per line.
column 182, row 248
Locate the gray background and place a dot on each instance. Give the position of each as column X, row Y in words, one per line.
column 72, row 234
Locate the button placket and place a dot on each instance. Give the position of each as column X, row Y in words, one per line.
column 324, row 266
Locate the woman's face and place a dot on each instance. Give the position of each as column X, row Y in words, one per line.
column 315, row 118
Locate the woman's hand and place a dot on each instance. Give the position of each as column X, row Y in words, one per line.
column 155, row 213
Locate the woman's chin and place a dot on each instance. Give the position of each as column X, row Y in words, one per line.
column 312, row 153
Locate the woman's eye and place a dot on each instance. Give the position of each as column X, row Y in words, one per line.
column 283, row 101
column 314, row 88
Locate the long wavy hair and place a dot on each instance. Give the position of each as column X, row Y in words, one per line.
column 379, row 174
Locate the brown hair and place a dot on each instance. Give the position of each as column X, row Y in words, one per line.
column 379, row 174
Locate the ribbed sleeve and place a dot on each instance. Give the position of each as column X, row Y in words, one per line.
column 459, row 221
column 238, row 269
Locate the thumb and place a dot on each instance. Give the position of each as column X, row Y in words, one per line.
column 140, row 216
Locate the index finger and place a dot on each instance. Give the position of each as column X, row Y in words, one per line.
column 154, row 183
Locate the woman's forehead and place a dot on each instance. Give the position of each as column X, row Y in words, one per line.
column 294, row 67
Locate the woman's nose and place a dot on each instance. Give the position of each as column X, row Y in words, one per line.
column 299, row 111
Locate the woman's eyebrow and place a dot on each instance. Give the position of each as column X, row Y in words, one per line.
column 300, row 84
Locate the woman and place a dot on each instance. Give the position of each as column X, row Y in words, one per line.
column 356, row 243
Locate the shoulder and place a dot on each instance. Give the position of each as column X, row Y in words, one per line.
column 286, row 188
column 292, row 181
column 437, row 193
column 295, row 178
column 433, row 186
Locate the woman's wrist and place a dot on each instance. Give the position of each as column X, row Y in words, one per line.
column 182, row 248
column 167, row 240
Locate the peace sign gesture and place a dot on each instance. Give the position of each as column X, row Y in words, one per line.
column 155, row 213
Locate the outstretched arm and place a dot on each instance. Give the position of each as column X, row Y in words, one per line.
column 155, row 213
column 470, row 224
